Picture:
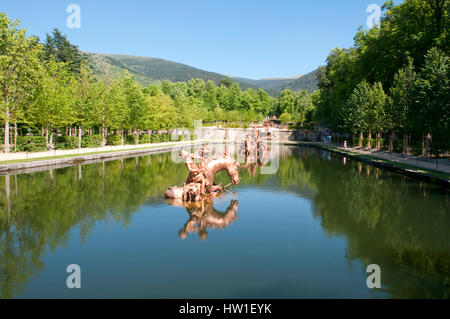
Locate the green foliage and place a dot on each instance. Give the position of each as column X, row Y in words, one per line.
column 298, row 105
column 161, row 138
column 433, row 94
column 227, row 82
column 114, row 140
column 374, row 87
column 61, row 91
column 398, row 146
column 66, row 142
column 155, row 138
column 406, row 57
column 19, row 67
column 91, row 141
column 416, row 147
column 151, row 70
column 130, row 139
column 144, row 139
column 30, row 143
column 364, row 110
column 307, row 82
column 285, row 118
column 57, row 47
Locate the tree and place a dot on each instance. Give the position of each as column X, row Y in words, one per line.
column 375, row 113
column 98, row 115
column 196, row 88
column 303, row 104
column 389, row 55
column 285, row 118
column 83, row 102
column 18, row 65
column 286, row 102
column 227, row 82
column 57, row 47
column 399, row 110
column 364, row 111
column 163, row 114
column 116, row 109
column 354, row 110
column 134, row 101
column 209, row 97
column 433, row 98
column 53, row 104
column 336, row 83
column 265, row 102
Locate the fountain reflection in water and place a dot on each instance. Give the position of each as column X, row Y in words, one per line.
column 203, row 215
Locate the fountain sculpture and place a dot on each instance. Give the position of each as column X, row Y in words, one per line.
column 199, row 184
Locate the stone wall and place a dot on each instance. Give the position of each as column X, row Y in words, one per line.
column 210, row 133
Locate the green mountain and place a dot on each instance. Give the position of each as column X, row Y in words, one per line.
column 267, row 84
column 276, row 86
column 306, row 82
column 152, row 70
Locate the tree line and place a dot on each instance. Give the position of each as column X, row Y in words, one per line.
column 49, row 90
column 393, row 82
column 390, row 90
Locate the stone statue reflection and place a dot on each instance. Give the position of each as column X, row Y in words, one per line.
column 203, row 215
column 256, row 150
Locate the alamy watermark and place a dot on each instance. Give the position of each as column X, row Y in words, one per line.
column 373, row 20
column 374, row 279
column 74, row 279
column 74, row 19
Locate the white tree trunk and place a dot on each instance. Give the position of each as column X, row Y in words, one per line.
column 15, row 137
column 79, row 136
column 7, row 132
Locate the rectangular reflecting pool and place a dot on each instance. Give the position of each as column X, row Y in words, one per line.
column 308, row 231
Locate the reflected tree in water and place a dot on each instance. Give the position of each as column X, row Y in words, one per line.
column 387, row 219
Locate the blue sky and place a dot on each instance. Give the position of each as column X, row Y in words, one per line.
column 247, row 38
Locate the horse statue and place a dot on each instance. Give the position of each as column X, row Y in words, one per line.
column 200, row 181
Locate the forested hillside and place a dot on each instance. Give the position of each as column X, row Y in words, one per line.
column 267, row 84
column 306, row 82
column 151, row 70
column 275, row 86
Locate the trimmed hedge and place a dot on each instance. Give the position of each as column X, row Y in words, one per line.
column 91, row 141
column 114, row 140
column 398, row 146
column 157, row 138
column 30, row 143
column 144, row 139
column 130, row 139
column 66, row 142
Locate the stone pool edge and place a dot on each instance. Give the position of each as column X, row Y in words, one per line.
column 417, row 174
column 44, row 163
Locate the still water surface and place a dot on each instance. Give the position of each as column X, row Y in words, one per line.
column 309, row 231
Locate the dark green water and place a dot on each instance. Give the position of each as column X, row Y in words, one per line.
column 308, row 231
